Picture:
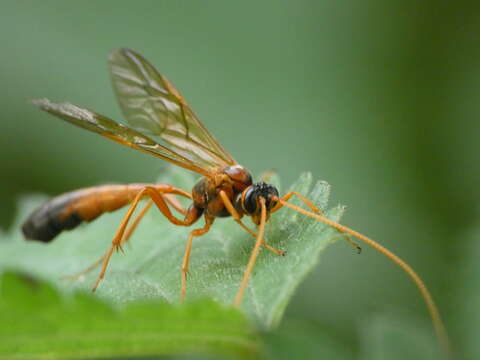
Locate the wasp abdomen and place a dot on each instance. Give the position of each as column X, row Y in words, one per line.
column 67, row 211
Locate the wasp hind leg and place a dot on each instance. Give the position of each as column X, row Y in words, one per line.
column 129, row 231
column 159, row 199
column 159, row 195
column 125, row 238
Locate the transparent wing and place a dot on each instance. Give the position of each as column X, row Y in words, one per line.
column 153, row 106
column 122, row 134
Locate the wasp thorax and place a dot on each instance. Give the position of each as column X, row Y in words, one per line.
column 240, row 177
column 251, row 196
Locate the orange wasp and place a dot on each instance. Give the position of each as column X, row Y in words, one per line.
column 163, row 125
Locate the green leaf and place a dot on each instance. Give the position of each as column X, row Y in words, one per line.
column 150, row 267
column 38, row 324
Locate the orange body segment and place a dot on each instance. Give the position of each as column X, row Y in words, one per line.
column 68, row 210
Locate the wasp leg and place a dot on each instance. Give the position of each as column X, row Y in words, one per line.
column 236, row 216
column 128, row 233
column 186, row 258
column 351, row 242
column 253, row 257
column 126, row 237
column 171, row 199
column 155, row 192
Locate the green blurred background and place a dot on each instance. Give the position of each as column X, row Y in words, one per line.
column 379, row 98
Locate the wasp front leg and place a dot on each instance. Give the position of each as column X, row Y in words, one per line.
column 236, row 216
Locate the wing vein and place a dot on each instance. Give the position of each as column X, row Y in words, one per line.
column 152, row 104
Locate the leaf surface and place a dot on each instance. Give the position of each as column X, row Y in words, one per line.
column 150, row 267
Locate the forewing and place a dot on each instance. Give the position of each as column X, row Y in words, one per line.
column 153, row 106
column 122, row 134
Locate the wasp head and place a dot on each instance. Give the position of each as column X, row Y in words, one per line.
column 249, row 200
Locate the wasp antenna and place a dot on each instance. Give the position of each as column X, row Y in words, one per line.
column 438, row 325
